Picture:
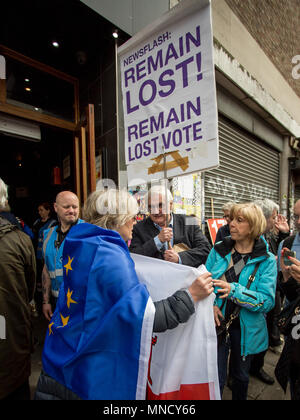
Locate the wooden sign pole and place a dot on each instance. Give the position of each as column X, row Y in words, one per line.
column 166, row 194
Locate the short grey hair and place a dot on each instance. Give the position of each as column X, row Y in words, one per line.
column 110, row 209
column 3, row 195
column 228, row 205
column 267, row 206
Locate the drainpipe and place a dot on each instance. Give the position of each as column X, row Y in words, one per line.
column 285, row 177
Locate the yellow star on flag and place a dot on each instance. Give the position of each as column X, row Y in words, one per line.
column 50, row 328
column 69, row 297
column 64, row 320
column 68, row 265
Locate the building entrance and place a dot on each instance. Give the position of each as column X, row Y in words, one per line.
column 36, row 171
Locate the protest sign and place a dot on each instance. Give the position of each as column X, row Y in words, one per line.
column 213, row 227
column 169, row 97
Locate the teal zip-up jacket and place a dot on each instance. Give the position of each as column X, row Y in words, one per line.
column 256, row 301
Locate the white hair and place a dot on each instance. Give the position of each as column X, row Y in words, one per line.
column 3, row 195
column 267, row 206
column 158, row 190
column 110, row 209
column 228, row 205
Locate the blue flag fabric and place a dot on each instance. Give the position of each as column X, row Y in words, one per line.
column 99, row 337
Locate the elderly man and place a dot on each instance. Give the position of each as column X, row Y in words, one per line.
column 67, row 208
column 288, row 366
column 17, row 284
column 277, row 221
column 224, row 230
column 158, row 235
column 292, row 242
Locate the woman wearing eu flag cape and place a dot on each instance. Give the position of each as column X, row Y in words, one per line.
column 99, row 338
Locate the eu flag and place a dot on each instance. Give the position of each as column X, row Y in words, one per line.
column 99, row 338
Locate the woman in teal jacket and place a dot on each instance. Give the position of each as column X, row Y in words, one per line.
column 232, row 262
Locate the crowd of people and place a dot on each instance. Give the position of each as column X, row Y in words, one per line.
column 247, row 269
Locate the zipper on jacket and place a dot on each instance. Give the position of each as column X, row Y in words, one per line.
column 248, row 294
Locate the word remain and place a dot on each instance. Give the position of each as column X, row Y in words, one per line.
column 162, row 58
column 155, row 123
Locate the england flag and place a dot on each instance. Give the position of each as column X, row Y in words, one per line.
column 183, row 361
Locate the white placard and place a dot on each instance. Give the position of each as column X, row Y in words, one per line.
column 169, row 95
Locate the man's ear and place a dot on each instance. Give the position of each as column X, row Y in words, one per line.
column 55, row 207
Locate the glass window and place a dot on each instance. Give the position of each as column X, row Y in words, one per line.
column 36, row 90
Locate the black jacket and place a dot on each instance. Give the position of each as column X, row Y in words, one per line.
column 185, row 230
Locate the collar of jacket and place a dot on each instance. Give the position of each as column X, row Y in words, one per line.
column 260, row 248
column 6, row 226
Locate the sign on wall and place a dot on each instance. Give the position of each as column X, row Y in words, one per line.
column 169, row 97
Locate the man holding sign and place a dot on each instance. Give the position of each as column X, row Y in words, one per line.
column 173, row 237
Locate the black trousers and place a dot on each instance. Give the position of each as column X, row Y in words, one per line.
column 273, row 332
column 20, row 394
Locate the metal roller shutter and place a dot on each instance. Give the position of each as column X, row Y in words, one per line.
column 249, row 169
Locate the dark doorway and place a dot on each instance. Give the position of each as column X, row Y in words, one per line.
column 36, row 171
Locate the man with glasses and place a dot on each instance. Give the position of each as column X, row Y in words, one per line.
column 158, row 235
column 224, row 230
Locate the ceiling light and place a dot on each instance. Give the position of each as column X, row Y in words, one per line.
column 55, row 44
column 115, row 34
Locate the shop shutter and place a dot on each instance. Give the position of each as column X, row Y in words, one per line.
column 249, row 169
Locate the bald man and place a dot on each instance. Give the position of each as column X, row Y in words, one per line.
column 67, row 208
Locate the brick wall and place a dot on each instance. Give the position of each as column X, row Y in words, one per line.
column 275, row 25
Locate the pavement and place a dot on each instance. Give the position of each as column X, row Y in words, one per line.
column 260, row 391
column 257, row 389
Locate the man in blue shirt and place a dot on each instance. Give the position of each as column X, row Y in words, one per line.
column 67, row 208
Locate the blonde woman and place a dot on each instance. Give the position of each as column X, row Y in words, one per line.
column 232, row 262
